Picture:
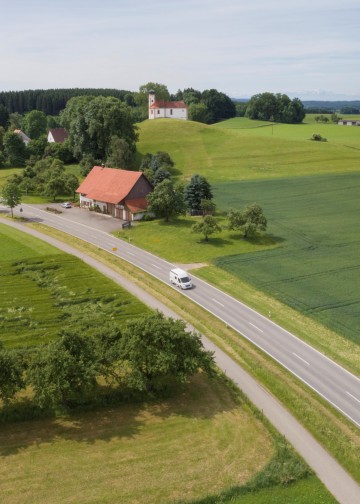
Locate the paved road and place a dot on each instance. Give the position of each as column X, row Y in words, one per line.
column 332, row 382
column 339, row 483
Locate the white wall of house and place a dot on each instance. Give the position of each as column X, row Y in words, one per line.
column 168, row 113
column 50, row 138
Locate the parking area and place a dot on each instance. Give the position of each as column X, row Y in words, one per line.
column 82, row 215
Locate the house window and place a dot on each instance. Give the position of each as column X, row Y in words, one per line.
column 171, row 112
column 158, row 111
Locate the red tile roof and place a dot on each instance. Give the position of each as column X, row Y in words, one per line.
column 168, row 104
column 108, row 184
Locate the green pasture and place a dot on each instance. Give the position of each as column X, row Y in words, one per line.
column 175, row 241
column 347, row 137
column 316, row 268
column 43, row 290
column 222, row 154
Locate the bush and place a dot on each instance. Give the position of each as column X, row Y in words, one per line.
column 316, row 137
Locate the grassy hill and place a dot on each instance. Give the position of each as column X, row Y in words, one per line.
column 228, row 151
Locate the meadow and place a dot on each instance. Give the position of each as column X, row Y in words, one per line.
column 42, row 290
column 222, row 154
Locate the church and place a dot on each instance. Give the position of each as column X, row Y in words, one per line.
column 160, row 109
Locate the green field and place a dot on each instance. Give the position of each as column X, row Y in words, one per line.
column 341, row 136
column 42, row 289
column 316, row 269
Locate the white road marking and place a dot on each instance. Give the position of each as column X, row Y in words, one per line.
column 256, row 327
column 130, row 253
column 356, row 399
column 303, row 360
column 155, row 266
column 218, row 302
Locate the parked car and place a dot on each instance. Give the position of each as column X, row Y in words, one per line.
column 66, row 205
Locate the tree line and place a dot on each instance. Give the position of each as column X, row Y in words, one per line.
column 207, row 106
column 149, row 357
column 51, row 101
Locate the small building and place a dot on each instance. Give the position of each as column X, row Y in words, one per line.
column 23, row 136
column 349, row 122
column 161, row 109
column 120, row 193
column 57, row 135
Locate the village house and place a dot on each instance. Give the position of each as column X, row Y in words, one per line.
column 349, row 122
column 23, row 136
column 160, row 109
column 57, row 135
column 120, row 193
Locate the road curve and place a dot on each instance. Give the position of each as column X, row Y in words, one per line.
column 331, row 381
column 334, row 477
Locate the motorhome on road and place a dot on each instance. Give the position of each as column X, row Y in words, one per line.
column 180, row 278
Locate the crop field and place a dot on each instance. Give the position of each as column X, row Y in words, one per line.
column 316, row 268
column 43, row 290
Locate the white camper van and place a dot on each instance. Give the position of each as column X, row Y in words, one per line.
column 180, row 278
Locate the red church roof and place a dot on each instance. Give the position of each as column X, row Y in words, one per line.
column 168, row 104
column 108, row 184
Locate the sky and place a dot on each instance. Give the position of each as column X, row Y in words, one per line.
column 304, row 48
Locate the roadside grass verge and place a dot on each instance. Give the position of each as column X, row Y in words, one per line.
column 43, row 290
column 340, row 437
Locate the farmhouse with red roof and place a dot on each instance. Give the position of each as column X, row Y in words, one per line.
column 120, row 193
column 160, row 109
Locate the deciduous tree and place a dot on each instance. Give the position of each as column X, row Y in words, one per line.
column 14, row 149
column 11, row 372
column 250, row 220
column 11, row 195
column 160, row 350
column 35, row 124
column 64, row 371
column 207, row 226
column 167, row 200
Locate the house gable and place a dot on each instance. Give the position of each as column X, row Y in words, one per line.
column 57, row 135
